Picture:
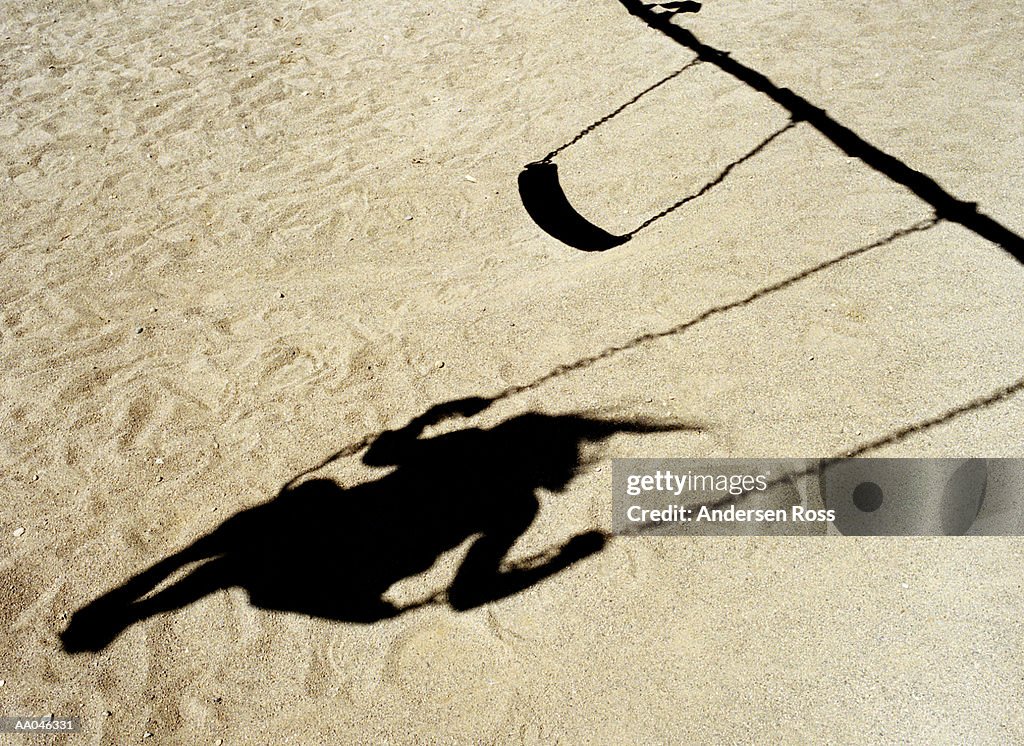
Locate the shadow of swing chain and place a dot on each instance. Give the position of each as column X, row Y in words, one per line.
column 587, row 130
column 717, row 180
column 586, row 362
column 980, row 402
column 782, row 284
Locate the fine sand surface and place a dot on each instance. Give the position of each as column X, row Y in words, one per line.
column 237, row 237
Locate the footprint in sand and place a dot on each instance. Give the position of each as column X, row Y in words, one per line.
column 443, row 676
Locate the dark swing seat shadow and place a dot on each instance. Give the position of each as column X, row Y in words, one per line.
column 330, row 551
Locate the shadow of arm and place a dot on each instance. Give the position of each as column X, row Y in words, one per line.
column 394, row 446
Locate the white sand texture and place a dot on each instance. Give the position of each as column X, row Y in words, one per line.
column 238, row 237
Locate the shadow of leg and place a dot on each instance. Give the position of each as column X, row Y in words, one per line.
column 95, row 626
column 479, row 580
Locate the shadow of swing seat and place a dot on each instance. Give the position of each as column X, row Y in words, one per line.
column 545, row 202
column 541, row 191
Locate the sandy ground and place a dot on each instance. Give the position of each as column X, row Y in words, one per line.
column 238, row 236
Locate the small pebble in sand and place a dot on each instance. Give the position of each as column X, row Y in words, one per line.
column 470, row 178
column 140, row 330
column 35, row 477
column 107, row 713
column 408, row 217
column 439, row 364
column 280, row 295
column 2, row 682
column 19, row 531
column 147, row 734
column 218, row 742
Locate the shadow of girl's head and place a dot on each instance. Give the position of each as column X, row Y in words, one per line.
column 539, row 450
